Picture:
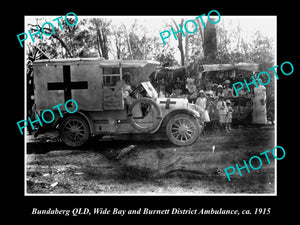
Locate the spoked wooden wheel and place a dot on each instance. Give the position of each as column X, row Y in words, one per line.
column 183, row 130
column 74, row 131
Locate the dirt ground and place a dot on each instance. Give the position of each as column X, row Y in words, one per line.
column 151, row 167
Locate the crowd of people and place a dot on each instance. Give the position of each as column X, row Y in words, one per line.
column 217, row 101
column 214, row 102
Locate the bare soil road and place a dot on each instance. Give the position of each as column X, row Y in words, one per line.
column 151, row 167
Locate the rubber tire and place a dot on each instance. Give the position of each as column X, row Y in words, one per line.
column 193, row 122
column 136, row 126
column 85, row 131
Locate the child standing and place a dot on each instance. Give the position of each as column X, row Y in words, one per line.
column 227, row 91
column 229, row 114
column 222, row 111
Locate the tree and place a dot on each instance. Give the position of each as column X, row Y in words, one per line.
column 101, row 28
column 53, row 36
column 179, row 38
column 64, row 43
column 119, row 41
column 141, row 44
column 166, row 57
column 210, row 41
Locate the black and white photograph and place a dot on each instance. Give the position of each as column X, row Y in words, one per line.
column 151, row 105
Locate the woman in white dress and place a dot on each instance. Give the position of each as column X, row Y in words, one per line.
column 202, row 103
column 259, row 113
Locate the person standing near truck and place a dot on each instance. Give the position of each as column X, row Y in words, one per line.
column 227, row 91
column 203, row 104
column 228, row 115
column 222, row 111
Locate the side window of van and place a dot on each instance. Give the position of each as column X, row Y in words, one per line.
column 111, row 76
column 112, row 100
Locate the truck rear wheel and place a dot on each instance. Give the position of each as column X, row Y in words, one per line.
column 74, row 131
column 183, row 130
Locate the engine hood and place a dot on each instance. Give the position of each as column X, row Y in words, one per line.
column 172, row 103
column 168, row 105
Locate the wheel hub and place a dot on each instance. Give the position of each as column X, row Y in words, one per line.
column 183, row 129
column 74, row 130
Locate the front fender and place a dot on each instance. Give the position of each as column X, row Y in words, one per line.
column 59, row 120
column 172, row 113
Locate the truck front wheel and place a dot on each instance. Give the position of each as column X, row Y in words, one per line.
column 183, row 129
column 74, row 131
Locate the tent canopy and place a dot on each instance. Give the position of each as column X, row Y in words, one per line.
column 239, row 66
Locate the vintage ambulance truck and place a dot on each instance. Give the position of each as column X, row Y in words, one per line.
column 91, row 82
